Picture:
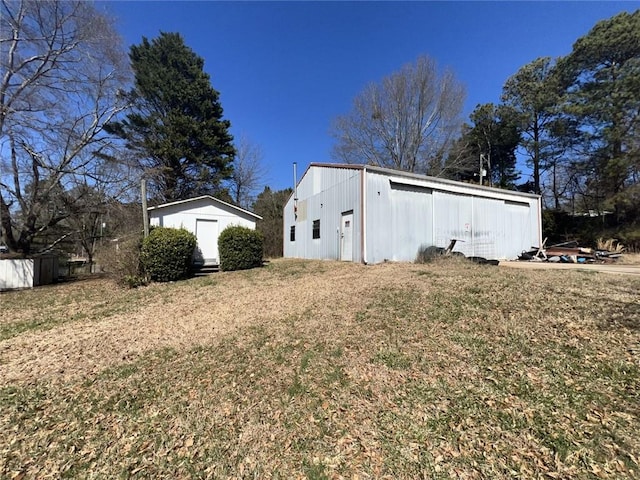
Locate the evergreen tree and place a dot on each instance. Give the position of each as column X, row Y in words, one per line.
column 497, row 135
column 462, row 161
column 601, row 77
column 270, row 206
column 175, row 127
column 494, row 135
column 535, row 97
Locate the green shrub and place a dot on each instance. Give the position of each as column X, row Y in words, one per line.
column 167, row 254
column 240, row 248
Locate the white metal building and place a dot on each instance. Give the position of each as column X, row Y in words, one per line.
column 205, row 217
column 371, row 214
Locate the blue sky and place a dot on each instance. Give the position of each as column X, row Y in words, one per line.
column 285, row 70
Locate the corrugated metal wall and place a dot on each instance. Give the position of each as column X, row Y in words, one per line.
column 323, row 194
column 453, row 218
column 398, row 219
column 406, row 213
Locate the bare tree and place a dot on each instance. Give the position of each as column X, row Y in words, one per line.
column 62, row 70
column 248, row 173
column 406, row 122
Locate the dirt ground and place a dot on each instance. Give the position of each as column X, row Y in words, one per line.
column 614, row 268
column 311, row 369
column 185, row 316
column 156, row 317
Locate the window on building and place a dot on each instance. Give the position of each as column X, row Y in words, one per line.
column 316, row 229
column 292, row 233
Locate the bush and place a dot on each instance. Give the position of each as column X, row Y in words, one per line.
column 121, row 260
column 428, row 253
column 439, row 255
column 240, row 248
column 631, row 239
column 167, row 254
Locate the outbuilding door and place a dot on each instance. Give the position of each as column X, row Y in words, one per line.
column 346, row 236
column 207, row 236
column 518, row 228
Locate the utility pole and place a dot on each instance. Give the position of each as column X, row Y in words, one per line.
column 1, row 234
column 295, row 190
column 145, row 214
column 485, row 172
column 1, row 206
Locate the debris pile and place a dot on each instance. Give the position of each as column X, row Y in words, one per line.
column 427, row 254
column 570, row 252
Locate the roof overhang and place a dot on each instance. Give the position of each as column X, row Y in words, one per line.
column 419, row 177
column 206, row 197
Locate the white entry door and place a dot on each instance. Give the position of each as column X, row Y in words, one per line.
column 346, row 236
column 207, row 236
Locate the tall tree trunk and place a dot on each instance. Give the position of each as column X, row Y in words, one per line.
column 536, row 155
column 556, row 196
column 5, row 226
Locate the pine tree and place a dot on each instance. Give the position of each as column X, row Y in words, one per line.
column 269, row 205
column 494, row 135
column 534, row 95
column 601, row 77
column 175, row 126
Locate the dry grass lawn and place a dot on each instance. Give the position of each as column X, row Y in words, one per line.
column 630, row 259
column 325, row 370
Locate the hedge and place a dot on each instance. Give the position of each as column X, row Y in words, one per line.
column 167, row 254
column 240, row 248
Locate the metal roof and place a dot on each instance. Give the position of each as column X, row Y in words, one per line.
column 417, row 176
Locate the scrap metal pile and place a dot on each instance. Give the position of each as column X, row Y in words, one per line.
column 570, row 252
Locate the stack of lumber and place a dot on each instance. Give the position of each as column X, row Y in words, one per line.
column 568, row 252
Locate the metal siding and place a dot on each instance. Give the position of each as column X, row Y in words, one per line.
column 379, row 241
column 185, row 214
column 518, row 224
column 523, row 225
column 399, row 219
column 289, row 249
column 454, row 186
column 453, row 218
column 493, row 223
column 490, row 228
column 187, row 219
column 326, row 192
column 17, row 273
column 488, row 234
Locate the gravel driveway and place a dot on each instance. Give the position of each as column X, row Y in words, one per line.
column 593, row 267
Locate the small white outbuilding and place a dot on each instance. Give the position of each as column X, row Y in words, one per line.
column 206, row 217
column 372, row 214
